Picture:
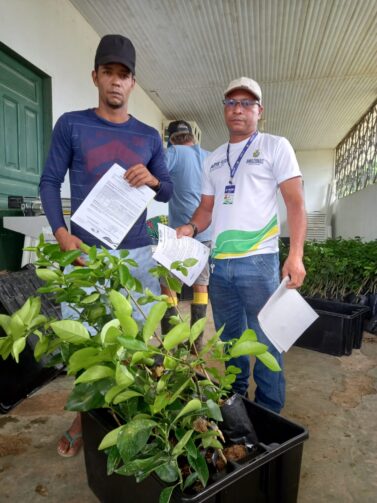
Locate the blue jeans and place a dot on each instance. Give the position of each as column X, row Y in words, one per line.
column 238, row 289
column 143, row 256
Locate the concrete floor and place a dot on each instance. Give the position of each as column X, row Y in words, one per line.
column 335, row 398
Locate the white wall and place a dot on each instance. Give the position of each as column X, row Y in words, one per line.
column 355, row 215
column 54, row 37
column 317, row 169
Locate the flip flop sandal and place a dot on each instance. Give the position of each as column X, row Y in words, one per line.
column 72, row 449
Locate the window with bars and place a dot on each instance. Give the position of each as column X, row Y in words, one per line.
column 356, row 156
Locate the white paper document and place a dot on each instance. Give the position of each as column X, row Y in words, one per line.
column 112, row 207
column 170, row 249
column 285, row 316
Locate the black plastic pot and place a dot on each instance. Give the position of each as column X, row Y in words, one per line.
column 338, row 329
column 273, row 476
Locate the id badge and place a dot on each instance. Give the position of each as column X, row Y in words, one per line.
column 229, row 194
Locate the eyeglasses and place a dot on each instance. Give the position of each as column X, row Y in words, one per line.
column 229, row 102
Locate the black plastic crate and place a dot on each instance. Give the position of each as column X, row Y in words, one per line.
column 18, row 380
column 271, row 477
column 17, row 287
column 338, row 329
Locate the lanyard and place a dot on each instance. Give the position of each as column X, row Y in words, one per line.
column 237, row 163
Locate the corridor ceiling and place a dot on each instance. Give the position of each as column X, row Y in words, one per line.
column 314, row 59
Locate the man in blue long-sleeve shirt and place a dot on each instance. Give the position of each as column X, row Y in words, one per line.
column 87, row 143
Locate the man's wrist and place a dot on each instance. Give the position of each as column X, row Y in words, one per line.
column 156, row 187
column 194, row 228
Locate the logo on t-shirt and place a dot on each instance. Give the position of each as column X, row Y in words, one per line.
column 217, row 165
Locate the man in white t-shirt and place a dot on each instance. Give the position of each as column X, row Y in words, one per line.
column 239, row 196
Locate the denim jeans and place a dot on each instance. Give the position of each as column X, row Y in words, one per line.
column 143, row 256
column 238, row 289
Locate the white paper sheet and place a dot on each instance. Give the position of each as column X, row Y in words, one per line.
column 285, row 316
column 170, row 249
column 112, row 207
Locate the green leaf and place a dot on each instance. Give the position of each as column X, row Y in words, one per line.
column 192, row 406
column 6, row 346
column 86, row 357
column 29, row 309
column 113, row 460
column 47, row 275
column 5, row 322
column 110, row 439
column 40, row 348
column 132, row 344
column 113, row 392
column 140, row 356
column 89, row 396
column 95, row 373
column 16, row 326
column 179, row 385
column 197, row 329
column 248, row 335
column 214, row 411
column 247, row 348
column 168, row 472
column 193, row 477
column 133, row 437
column 91, row 298
column 165, row 494
column 92, row 252
column 18, row 347
column 124, row 274
column 232, row 369
column 110, row 332
column 176, row 336
column 132, row 262
column 211, row 441
column 69, row 257
column 174, row 284
column 270, row 361
column 71, row 331
column 120, row 303
column 189, row 262
column 129, row 325
column 125, row 395
column 123, row 376
column 161, row 401
column 40, row 319
column 178, row 449
column 153, row 320
column 170, row 363
column 199, row 464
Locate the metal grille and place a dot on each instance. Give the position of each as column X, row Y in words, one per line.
column 356, row 156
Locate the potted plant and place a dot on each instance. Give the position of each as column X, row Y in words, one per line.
column 341, row 286
column 161, row 398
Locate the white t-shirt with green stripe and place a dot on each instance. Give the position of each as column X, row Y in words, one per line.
column 251, row 224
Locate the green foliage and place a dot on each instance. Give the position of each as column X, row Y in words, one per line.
column 151, row 384
column 338, row 267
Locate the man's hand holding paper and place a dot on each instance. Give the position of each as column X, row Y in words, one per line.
column 170, row 249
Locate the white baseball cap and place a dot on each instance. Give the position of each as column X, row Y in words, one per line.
column 245, row 83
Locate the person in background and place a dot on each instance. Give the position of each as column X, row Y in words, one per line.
column 185, row 159
column 86, row 144
column 239, row 196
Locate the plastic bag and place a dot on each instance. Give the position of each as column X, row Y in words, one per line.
column 237, row 426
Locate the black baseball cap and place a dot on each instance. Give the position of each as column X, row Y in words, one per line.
column 177, row 127
column 116, row 49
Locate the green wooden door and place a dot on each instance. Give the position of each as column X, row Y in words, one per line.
column 21, row 129
column 25, row 129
